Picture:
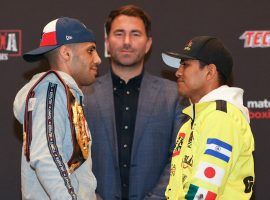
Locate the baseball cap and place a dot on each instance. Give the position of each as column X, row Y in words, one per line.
column 208, row 49
column 58, row 32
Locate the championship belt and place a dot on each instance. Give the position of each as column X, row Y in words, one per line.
column 81, row 129
column 80, row 133
column 78, row 125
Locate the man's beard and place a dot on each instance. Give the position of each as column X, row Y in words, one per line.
column 120, row 61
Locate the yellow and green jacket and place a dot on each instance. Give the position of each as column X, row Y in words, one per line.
column 213, row 158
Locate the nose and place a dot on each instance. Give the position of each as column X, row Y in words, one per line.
column 97, row 59
column 127, row 39
column 179, row 72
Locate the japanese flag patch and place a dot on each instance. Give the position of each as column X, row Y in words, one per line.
column 210, row 173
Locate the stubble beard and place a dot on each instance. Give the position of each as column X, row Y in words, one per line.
column 117, row 61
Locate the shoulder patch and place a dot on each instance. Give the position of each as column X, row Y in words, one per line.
column 221, row 105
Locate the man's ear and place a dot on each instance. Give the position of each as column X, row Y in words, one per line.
column 148, row 45
column 65, row 52
column 212, row 71
column 107, row 47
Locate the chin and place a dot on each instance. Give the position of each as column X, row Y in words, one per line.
column 126, row 63
column 89, row 82
column 181, row 92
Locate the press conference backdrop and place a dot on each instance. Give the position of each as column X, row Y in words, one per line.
column 242, row 25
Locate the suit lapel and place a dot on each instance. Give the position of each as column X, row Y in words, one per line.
column 149, row 90
column 105, row 102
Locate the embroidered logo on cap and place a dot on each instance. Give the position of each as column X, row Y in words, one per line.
column 68, row 37
column 188, row 46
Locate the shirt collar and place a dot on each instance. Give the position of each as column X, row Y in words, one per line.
column 134, row 82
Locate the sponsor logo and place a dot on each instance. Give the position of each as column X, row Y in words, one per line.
column 255, row 39
column 249, row 182
column 173, row 168
column 259, row 109
column 190, row 140
column 179, row 144
column 187, row 161
column 10, row 44
column 184, row 178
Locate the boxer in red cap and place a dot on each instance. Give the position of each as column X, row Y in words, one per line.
column 56, row 160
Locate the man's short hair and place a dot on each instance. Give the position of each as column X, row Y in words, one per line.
column 222, row 80
column 132, row 11
column 52, row 56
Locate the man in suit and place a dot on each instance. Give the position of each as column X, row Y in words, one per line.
column 133, row 116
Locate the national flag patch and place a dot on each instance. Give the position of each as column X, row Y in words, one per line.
column 210, row 173
column 218, row 149
column 195, row 192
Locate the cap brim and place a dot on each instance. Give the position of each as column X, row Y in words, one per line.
column 38, row 53
column 173, row 59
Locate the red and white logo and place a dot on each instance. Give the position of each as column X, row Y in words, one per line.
column 255, row 39
column 10, row 43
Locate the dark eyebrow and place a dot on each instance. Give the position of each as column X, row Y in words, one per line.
column 118, row 30
column 122, row 30
column 92, row 47
column 136, row 30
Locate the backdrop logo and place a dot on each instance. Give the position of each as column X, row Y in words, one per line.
column 259, row 109
column 10, row 44
column 255, row 39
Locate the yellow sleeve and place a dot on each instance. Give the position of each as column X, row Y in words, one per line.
column 223, row 163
